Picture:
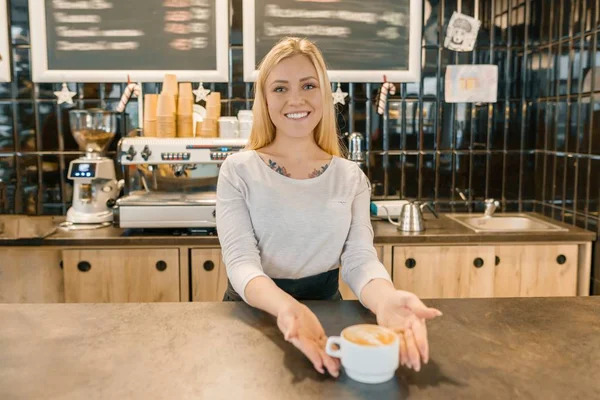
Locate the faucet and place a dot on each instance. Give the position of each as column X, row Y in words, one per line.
column 462, row 195
column 490, row 207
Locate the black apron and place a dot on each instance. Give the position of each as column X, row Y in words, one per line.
column 324, row 286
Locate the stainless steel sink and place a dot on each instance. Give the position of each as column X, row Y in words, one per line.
column 505, row 223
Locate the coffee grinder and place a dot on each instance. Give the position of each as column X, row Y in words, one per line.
column 95, row 188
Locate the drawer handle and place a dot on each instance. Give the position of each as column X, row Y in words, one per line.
column 561, row 259
column 410, row 263
column 478, row 262
column 497, row 260
column 161, row 265
column 61, row 264
column 208, row 265
column 84, row 266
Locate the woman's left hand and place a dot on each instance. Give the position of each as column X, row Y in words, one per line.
column 405, row 313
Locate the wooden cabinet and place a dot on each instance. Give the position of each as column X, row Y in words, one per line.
column 208, row 275
column 445, row 271
column 536, row 270
column 384, row 253
column 487, row 271
column 34, row 274
column 121, row 275
column 31, row 275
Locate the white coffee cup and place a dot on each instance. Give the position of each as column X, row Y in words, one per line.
column 369, row 353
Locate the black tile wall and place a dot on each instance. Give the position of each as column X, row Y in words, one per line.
column 568, row 139
column 36, row 145
column 536, row 148
column 566, row 72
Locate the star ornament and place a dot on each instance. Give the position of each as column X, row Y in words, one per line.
column 201, row 93
column 339, row 96
column 64, row 95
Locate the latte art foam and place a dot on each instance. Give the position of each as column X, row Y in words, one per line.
column 369, row 335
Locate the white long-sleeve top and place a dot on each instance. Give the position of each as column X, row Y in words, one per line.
column 279, row 227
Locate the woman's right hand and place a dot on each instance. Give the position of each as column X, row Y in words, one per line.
column 301, row 327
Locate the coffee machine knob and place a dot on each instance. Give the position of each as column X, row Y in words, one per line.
column 107, row 189
column 146, row 153
column 110, row 203
column 131, row 153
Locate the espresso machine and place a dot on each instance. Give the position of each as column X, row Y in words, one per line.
column 95, row 186
column 171, row 182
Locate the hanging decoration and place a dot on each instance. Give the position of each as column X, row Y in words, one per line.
column 65, row 95
column 471, row 83
column 387, row 88
column 339, row 96
column 462, row 30
column 131, row 89
column 201, row 93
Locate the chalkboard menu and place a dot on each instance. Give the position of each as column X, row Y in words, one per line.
column 361, row 40
column 105, row 40
column 4, row 44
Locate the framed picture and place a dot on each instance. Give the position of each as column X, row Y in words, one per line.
column 105, row 41
column 360, row 41
column 4, row 43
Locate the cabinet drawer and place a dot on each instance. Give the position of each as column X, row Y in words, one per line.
column 208, row 275
column 536, row 270
column 31, row 276
column 445, row 271
column 121, row 276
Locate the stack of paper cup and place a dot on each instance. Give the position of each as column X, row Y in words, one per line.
column 213, row 106
column 150, row 104
column 185, row 90
column 165, row 116
column 198, row 129
column 185, row 111
column 210, row 126
column 166, row 108
column 228, row 127
column 170, row 86
column 245, row 123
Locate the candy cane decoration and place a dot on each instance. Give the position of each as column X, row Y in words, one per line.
column 386, row 88
column 132, row 88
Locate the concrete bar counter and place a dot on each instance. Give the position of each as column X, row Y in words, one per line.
column 480, row 349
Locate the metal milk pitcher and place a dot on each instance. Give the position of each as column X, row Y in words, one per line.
column 411, row 217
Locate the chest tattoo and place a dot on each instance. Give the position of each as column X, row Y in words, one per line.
column 318, row 172
column 282, row 171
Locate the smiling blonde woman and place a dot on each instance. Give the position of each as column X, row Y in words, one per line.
column 290, row 210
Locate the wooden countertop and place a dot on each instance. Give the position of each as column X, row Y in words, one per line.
column 41, row 231
column 480, row 349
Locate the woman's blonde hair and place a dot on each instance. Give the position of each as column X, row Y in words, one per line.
column 263, row 130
